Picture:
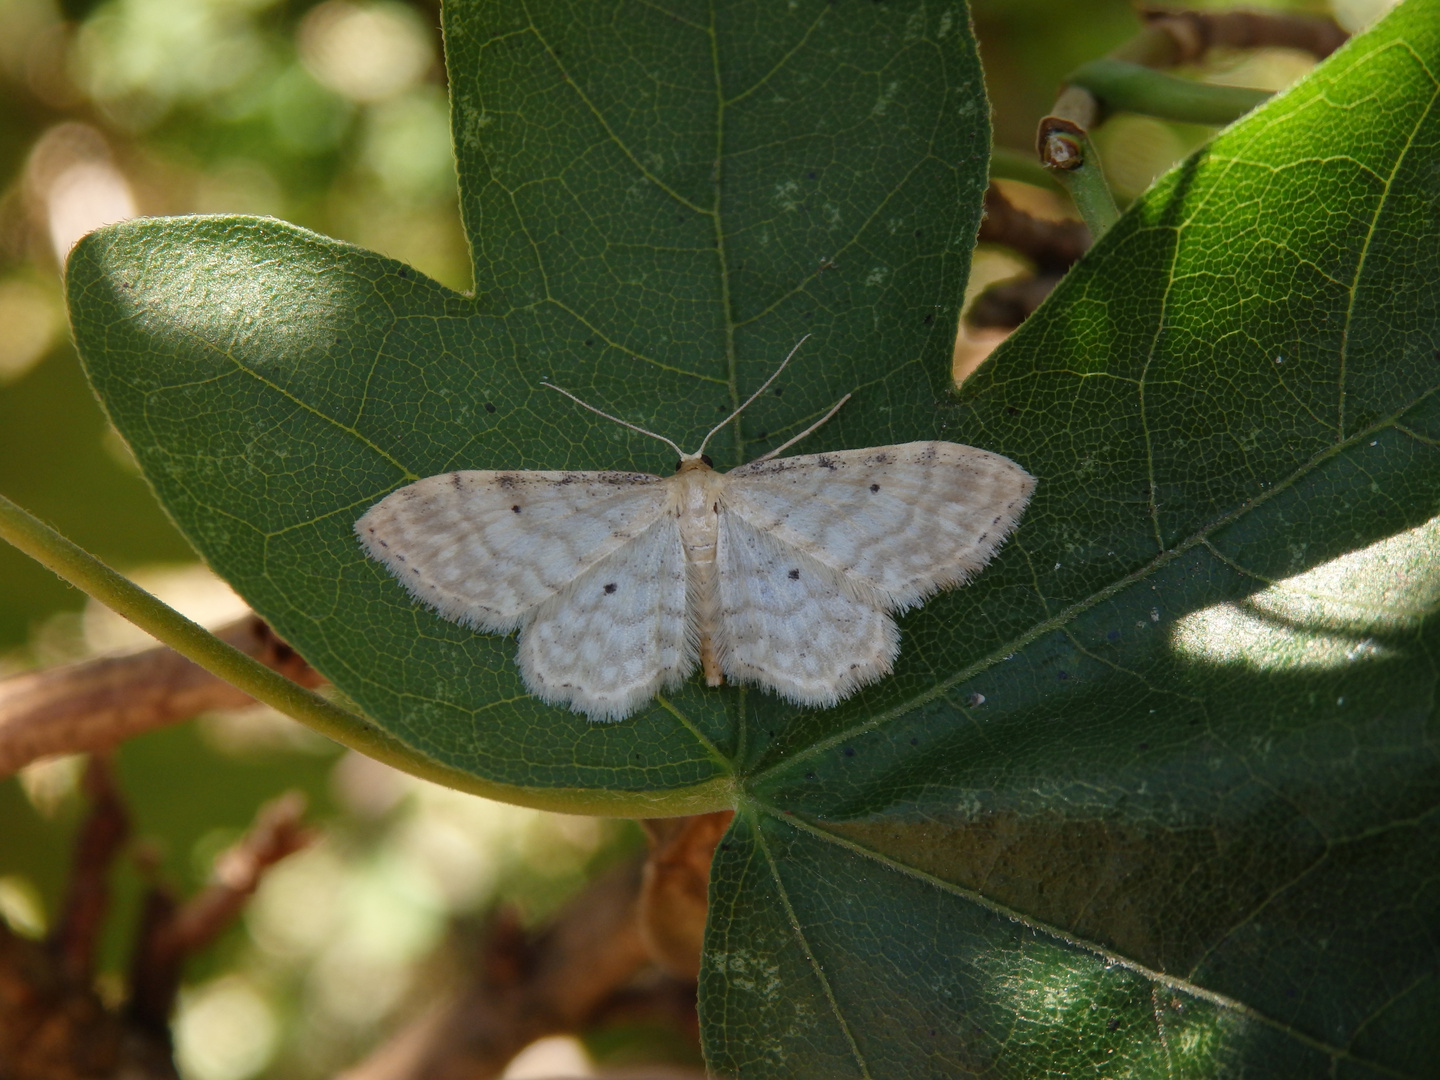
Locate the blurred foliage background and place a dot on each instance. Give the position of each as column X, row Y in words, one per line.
column 332, row 115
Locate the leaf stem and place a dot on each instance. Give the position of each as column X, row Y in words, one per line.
column 1071, row 158
column 1122, row 86
column 78, row 567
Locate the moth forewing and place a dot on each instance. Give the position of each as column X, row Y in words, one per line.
column 904, row 520
column 484, row 548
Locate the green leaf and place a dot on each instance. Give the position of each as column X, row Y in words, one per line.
column 1172, row 808
column 1154, row 796
column 660, row 206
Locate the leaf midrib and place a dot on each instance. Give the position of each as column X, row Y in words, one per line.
column 755, row 805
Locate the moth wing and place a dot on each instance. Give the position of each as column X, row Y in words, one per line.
column 901, row 520
column 618, row 634
column 483, row 548
column 792, row 624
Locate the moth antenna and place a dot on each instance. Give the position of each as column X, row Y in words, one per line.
column 763, row 387
column 616, row 419
column 786, row 445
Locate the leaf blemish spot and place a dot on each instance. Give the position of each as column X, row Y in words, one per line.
column 489, row 407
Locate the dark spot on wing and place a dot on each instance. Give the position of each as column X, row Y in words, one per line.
column 874, row 488
column 795, row 575
column 515, row 509
column 981, row 538
column 995, row 522
column 609, row 588
column 825, row 463
column 455, row 480
column 507, row 480
column 489, row 406
column 715, row 508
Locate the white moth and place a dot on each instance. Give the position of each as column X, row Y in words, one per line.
column 782, row 572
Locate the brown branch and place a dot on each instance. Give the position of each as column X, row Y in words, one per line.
column 526, row 988
column 605, row 958
column 591, row 962
column 1053, row 246
column 171, row 932
column 53, row 1025
column 1193, row 33
column 87, row 901
column 54, row 1029
column 95, row 704
column 674, row 897
column 1006, row 304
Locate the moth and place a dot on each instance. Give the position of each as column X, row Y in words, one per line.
column 782, row 573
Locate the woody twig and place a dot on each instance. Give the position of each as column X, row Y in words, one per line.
column 96, row 704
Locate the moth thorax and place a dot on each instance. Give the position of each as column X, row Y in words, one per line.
column 701, row 461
